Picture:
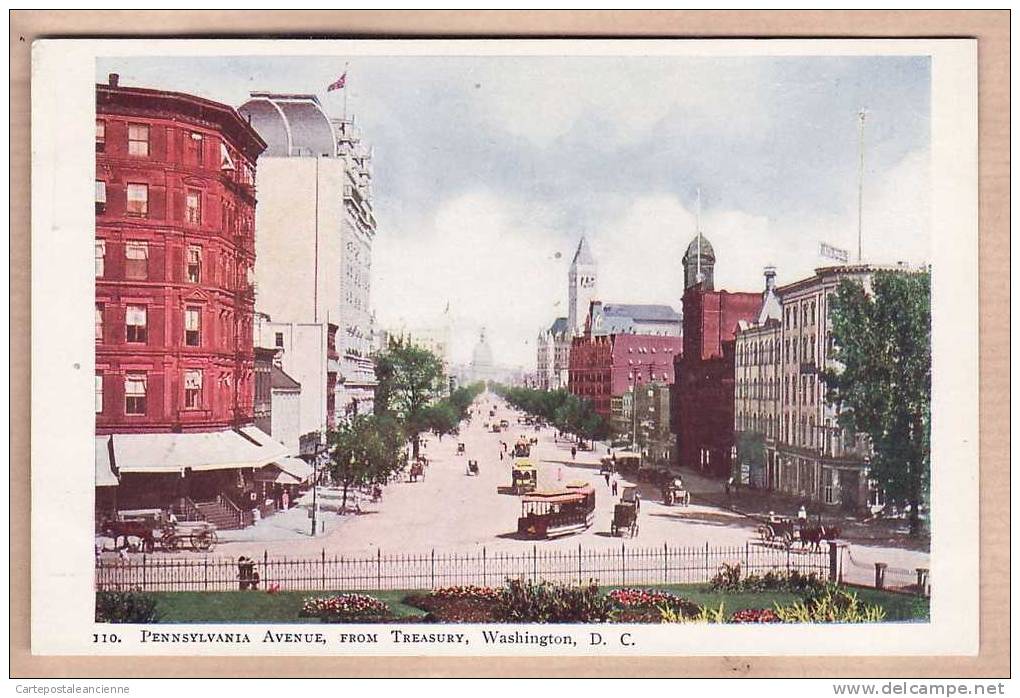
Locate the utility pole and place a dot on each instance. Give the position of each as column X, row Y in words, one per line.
column 861, row 116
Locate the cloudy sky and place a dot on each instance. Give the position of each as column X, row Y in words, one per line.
column 488, row 170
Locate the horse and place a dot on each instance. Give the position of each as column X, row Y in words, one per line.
column 814, row 535
column 130, row 529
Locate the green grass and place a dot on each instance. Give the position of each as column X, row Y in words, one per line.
column 254, row 606
column 285, row 606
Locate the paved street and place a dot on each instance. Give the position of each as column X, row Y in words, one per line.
column 451, row 512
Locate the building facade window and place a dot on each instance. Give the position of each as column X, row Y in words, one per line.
column 100, row 135
column 193, row 326
column 136, row 324
column 193, row 207
column 138, row 140
column 99, row 393
column 134, row 393
column 194, row 270
column 193, row 390
column 100, row 196
column 278, row 340
column 100, row 258
column 196, row 148
column 136, row 256
column 138, row 199
column 99, row 322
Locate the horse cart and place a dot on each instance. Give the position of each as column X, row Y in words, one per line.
column 472, row 467
column 673, row 492
column 625, row 519
column 778, row 530
column 200, row 536
column 460, row 449
column 417, row 471
column 156, row 527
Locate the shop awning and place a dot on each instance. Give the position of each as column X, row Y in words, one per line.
column 296, row 467
column 273, row 474
column 170, row 453
column 104, row 472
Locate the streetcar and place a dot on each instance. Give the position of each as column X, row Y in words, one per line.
column 552, row 513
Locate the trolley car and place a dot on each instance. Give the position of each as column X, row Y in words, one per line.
column 552, row 513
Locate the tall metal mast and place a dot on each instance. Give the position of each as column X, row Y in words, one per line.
column 861, row 116
column 697, row 275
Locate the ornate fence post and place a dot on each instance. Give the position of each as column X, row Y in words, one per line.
column 880, row 575
column 665, row 563
column 534, row 563
column 378, row 568
column 623, row 563
column 708, row 565
column 205, row 573
column 144, row 576
column 579, row 580
column 432, row 573
column 323, row 568
column 485, row 577
column 833, row 566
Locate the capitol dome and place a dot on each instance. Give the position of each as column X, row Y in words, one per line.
column 482, row 356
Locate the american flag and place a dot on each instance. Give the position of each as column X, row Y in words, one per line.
column 339, row 84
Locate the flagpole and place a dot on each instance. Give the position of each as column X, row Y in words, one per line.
column 347, row 78
column 697, row 276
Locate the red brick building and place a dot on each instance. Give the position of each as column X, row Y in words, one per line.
column 703, row 392
column 175, row 254
column 602, row 367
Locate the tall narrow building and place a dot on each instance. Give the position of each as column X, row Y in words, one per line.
column 582, row 289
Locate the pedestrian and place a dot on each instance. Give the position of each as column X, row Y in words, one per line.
column 559, row 474
column 615, row 482
column 501, row 455
column 802, row 515
column 607, row 478
column 573, row 452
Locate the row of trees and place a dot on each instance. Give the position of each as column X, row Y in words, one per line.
column 567, row 412
column 410, row 400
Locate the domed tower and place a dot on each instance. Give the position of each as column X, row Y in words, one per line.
column 481, row 359
column 699, row 264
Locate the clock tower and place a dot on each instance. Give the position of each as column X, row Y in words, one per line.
column 583, row 288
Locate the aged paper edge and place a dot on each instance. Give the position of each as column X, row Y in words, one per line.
column 990, row 28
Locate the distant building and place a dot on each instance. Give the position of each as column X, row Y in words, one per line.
column 703, row 394
column 757, row 389
column 641, row 416
column 607, row 366
column 286, row 399
column 553, row 359
column 627, row 318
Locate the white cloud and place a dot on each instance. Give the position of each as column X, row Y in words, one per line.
column 492, row 262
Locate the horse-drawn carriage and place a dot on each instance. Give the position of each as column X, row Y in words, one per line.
column 156, row 527
column 522, row 449
column 625, row 519
column 472, row 467
column 417, row 470
column 606, row 466
column 673, row 492
column 460, row 449
column 783, row 531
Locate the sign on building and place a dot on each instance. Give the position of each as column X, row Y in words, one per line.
column 830, row 252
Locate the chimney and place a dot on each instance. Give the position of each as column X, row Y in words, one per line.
column 770, row 279
column 114, row 79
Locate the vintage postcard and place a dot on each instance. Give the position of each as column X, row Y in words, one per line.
column 505, row 347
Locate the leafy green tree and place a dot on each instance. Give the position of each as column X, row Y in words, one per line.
column 410, row 380
column 882, row 343
column 441, row 418
column 366, row 450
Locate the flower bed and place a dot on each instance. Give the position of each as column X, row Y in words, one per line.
column 345, row 607
column 469, row 591
column 630, row 599
column 755, row 615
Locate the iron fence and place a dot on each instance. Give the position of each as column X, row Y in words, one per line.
column 609, row 567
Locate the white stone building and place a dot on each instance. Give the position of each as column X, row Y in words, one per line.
column 314, row 230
